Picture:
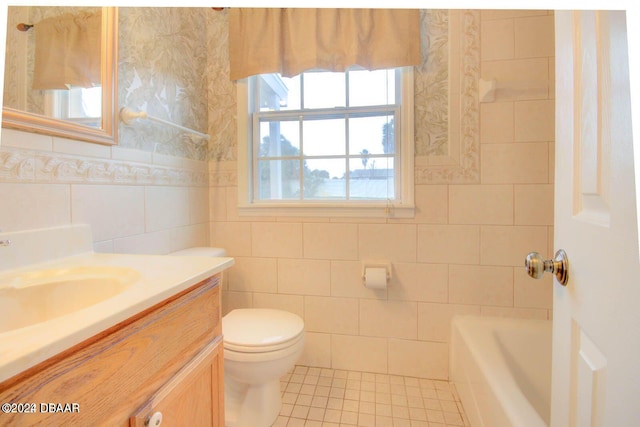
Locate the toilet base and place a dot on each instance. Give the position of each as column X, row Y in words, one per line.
column 256, row 405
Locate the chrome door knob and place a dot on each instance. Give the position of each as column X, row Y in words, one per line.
column 536, row 266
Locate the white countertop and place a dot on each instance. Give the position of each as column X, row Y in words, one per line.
column 160, row 277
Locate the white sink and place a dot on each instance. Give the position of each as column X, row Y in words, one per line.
column 55, row 292
column 36, row 296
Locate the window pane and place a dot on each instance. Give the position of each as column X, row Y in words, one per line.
column 313, row 146
column 371, row 178
column 279, row 139
column 292, row 102
column 323, row 137
column 90, row 103
column 372, row 135
column 278, row 93
column 372, row 87
column 278, row 179
column 334, row 168
column 324, row 179
column 324, row 90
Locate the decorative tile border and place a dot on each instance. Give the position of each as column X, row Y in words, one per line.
column 15, row 166
column 462, row 163
column 55, row 168
column 223, row 173
column 223, row 178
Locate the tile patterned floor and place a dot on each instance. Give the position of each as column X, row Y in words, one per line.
column 318, row 397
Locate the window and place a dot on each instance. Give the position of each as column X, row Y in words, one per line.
column 327, row 143
column 77, row 104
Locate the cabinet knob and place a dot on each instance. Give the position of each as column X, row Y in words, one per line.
column 154, row 420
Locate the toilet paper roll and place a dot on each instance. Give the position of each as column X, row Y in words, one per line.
column 375, row 278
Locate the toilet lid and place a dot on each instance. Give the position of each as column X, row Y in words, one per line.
column 260, row 329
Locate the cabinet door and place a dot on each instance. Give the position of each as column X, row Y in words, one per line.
column 114, row 373
column 193, row 397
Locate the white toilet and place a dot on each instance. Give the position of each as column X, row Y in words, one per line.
column 260, row 345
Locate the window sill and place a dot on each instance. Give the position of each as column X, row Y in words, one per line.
column 368, row 210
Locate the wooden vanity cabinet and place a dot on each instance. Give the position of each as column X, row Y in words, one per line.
column 191, row 397
column 166, row 359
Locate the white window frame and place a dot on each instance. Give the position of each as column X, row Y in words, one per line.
column 402, row 208
column 61, row 103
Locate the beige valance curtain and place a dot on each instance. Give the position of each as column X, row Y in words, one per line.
column 290, row 41
column 68, row 51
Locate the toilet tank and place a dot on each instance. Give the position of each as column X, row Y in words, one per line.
column 201, row 251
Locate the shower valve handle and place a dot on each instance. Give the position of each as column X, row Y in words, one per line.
column 536, row 266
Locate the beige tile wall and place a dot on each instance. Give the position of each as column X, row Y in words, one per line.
column 47, row 181
column 135, row 199
column 461, row 254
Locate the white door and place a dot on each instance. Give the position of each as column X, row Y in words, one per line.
column 596, row 320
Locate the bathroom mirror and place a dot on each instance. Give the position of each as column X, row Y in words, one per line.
column 33, row 101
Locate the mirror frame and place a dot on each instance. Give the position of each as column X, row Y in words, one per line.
column 108, row 131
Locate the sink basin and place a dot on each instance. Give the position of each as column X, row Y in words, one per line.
column 56, row 292
column 36, row 296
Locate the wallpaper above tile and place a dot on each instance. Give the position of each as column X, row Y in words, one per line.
column 162, row 70
column 442, row 96
column 222, row 91
column 174, row 64
column 431, row 85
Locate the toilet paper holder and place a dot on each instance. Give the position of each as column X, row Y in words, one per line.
column 375, row 264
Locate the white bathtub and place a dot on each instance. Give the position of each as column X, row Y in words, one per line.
column 502, row 370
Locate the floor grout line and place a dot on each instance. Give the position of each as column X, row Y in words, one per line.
column 322, row 397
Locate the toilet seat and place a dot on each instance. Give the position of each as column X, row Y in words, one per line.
column 259, row 330
column 230, row 347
